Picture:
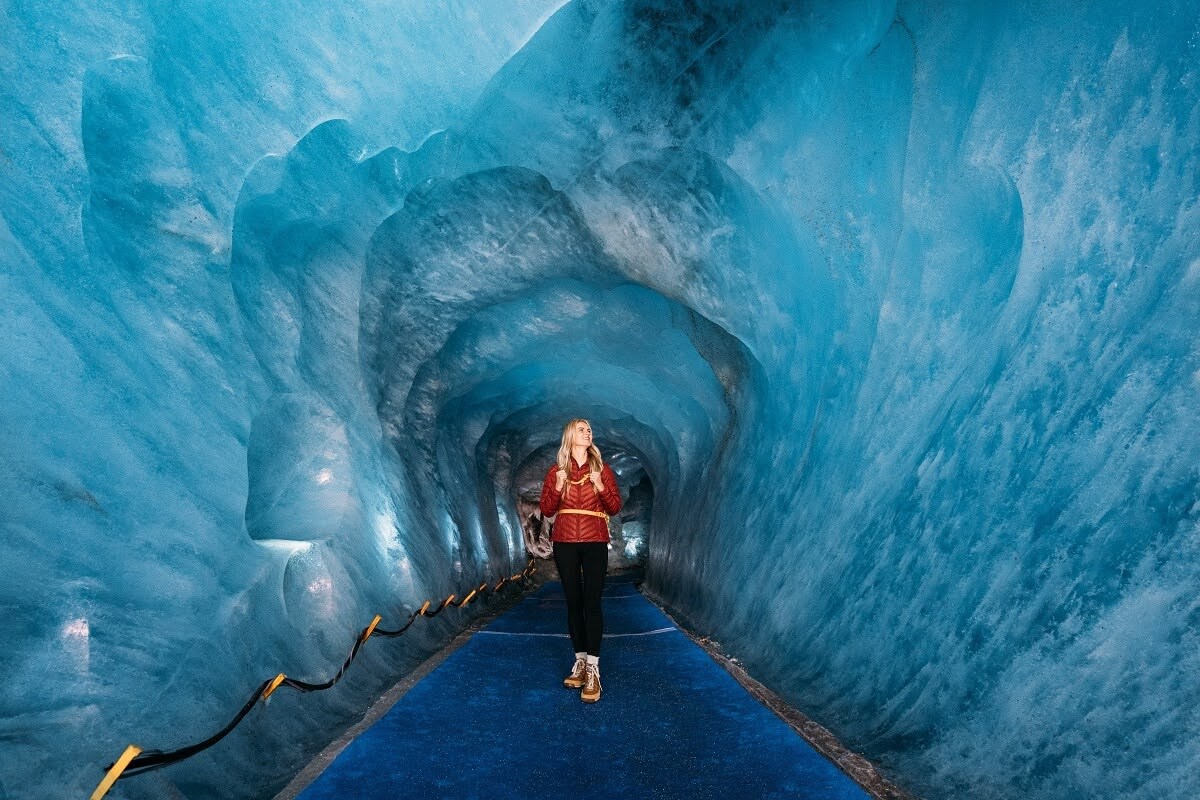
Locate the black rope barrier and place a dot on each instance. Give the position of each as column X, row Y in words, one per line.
column 135, row 761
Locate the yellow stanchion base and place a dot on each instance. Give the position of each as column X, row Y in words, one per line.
column 110, row 778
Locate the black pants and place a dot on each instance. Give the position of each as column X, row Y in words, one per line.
column 582, row 566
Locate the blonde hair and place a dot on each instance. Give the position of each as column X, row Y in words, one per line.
column 568, row 441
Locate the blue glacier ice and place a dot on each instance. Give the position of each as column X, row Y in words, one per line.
column 886, row 314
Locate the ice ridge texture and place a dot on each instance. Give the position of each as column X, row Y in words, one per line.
column 884, row 312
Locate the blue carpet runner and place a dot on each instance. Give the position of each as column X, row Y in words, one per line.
column 494, row 721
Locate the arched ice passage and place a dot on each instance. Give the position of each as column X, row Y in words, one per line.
column 890, row 307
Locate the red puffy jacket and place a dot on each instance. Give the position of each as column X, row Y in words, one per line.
column 579, row 493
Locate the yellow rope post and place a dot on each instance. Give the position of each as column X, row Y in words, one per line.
column 449, row 600
column 467, row 599
column 274, row 685
column 111, row 776
column 424, row 608
column 371, row 627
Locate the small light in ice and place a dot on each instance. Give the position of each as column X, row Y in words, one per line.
column 76, row 640
column 322, row 591
column 324, row 476
column 289, row 546
column 76, row 628
column 384, row 528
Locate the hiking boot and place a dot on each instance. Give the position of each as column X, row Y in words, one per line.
column 591, row 684
column 575, row 679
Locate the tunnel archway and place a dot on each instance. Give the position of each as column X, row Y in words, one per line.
column 893, row 304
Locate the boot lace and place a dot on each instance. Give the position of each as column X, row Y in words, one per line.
column 591, row 678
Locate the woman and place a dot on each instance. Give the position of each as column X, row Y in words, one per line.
column 582, row 490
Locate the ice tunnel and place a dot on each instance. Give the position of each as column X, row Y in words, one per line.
column 885, row 314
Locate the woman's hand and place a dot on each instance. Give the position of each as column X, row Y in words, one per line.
column 562, row 480
column 597, row 484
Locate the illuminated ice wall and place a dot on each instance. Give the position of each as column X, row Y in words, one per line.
column 886, row 315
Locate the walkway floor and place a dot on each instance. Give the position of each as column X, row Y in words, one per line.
column 494, row 721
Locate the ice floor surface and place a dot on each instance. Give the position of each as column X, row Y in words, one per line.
column 494, row 721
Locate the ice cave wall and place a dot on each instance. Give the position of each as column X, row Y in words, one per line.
column 893, row 305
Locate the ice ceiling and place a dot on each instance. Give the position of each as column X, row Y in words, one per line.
column 889, row 310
